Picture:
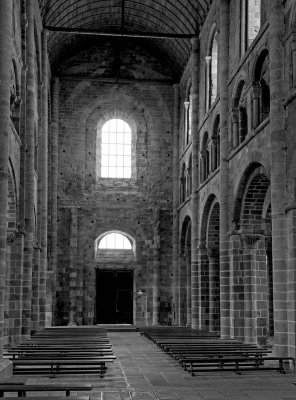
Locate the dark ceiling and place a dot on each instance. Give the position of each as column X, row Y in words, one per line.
column 164, row 17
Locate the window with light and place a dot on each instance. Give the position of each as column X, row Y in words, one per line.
column 116, row 145
column 115, row 241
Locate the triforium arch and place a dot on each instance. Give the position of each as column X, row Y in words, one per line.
column 261, row 88
column 185, row 273
column 209, row 261
column 251, row 258
column 239, row 116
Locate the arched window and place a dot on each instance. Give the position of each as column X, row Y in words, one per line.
column 212, row 70
column 205, row 158
column 183, row 184
column 189, row 178
column 261, row 91
column 187, row 115
column 215, row 155
column 116, row 145
column 115, row 241
column 239, row 116
column 250, row 20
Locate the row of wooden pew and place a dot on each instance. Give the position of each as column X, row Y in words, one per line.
column 63, row 350
column 203, row 351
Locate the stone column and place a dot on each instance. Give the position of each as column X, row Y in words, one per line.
column 72, row 276
column 5, row 65
column 237, row 293
column 44, row 182
column 29, row 173
column 235, row 129
column 203, row 285
column 53, row 230
column 35, row 286
column 15, row 305
column 195, row 184
column 214, row 290
column 293, row 54
column 175, row 205
column 188, row 291
column 156, row 266
column 224, row 169
column 256, row 104
column 278, row 175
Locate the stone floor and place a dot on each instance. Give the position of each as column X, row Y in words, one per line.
column 143, row 372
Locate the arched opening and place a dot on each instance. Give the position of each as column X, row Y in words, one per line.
column 252, row 280
column 239, row 116
column 211, row 69
column 205, row 158
column 183, row 184
column 115, row 255
column 215, row 153
column 213, row 249
column 187, row 115
column 261, row 91
column 250, row 22
column 185, row 274
column 189, row 177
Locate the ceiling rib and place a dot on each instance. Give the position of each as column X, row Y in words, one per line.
column 152, row 35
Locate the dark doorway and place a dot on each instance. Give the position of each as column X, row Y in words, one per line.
column 114, row 299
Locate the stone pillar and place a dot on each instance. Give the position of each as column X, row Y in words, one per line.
column 29, row 173
column 15, row 304
column 214, row 290
column 235, row 129
column 53, row 230
column 44, row 182
column 293, row 54
column 5, row 66
column 278, row 175
column 237, row 295
column 224, row 169
column 72, row 276
column 188, row 291
column 256, row 104
column 8, row 288
column 35, row 286
column 156, row 266
column 175, row 205
column 195, row 184
column 203, row 285
column 182, row 288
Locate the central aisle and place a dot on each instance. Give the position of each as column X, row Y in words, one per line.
column 143, row 372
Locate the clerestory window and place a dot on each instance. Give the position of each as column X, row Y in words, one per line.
column 116, row 149
column 115, row 241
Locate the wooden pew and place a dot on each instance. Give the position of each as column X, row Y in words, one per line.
column 236, row 364
column 58, row 365
column 23, row 388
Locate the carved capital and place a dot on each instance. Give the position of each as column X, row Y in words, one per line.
column 249, row 240
column 10, row 238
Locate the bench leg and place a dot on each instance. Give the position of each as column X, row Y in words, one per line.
column 237, row 368
column 281, row 367
column 67, row 392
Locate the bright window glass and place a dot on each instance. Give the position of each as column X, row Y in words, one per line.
column 115, row 241
column 116, row 149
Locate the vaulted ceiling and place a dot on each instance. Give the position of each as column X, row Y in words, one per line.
column 162, row 20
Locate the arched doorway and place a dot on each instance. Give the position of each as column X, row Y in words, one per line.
column 114, row 278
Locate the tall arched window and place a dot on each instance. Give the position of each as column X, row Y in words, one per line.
column 116, row 144
column 250, row 20
column 212, row 69
column 187, row 115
